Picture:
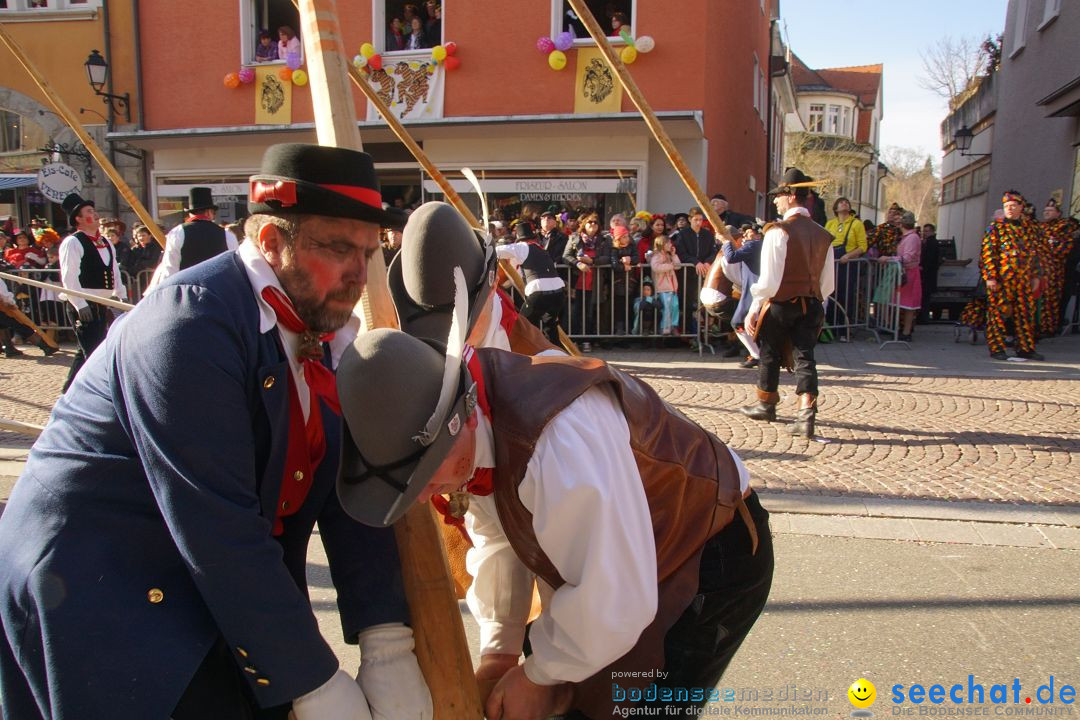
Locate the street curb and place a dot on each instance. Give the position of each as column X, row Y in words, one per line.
column 965, row 511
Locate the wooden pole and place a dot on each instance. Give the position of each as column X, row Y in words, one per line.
column 13, row 312
column 658, row 132
column 441, row 646
column 107, row 302
column 73, row 122
column 22, row 428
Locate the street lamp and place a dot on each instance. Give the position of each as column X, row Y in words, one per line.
column 963, row 138
column 97, row 72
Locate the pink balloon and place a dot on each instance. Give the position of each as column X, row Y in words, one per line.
column 545, row 44
column 247, row 76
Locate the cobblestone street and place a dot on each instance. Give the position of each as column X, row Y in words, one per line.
column 939, row 420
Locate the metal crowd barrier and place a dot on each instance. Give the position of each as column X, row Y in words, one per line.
column 884, row 305
column 44, row 307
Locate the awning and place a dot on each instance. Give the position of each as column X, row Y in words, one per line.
column 16, row 181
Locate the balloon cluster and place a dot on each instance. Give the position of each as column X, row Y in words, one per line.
column 367, row 60
column 290, row 73
column 555, row 47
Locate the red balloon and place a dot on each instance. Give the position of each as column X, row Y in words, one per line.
column 450, row 47
column 451, row 63
column 375, row 62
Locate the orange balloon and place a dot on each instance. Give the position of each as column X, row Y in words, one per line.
column 232, row 81
column 285, row 74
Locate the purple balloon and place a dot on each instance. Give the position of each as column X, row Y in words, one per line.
column 545, row 44
column 292, row 61
column 247, row 75
column 564, row 41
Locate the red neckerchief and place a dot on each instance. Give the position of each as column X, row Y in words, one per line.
column 98, row 241
column 481, row 483
column 509, row 315
column 305, row 448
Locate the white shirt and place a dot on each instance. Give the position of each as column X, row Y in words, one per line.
column 517, row 253
column 773, row 255
column 261, row 276
column 6, row 298
column 71, row 255
column 170, row 258
column 575, row 483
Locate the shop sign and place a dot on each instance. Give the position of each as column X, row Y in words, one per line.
column 58, row 180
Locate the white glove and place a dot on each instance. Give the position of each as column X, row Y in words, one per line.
column 390, row 676
column 337, row 699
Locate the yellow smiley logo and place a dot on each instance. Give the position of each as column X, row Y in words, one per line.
column 862, row 693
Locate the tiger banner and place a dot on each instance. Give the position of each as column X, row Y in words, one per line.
column 596, row 89
column 273, row 97
column 411, row 89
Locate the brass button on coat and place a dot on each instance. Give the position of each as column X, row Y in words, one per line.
column 284, row 504
column 298, row 476
column 269, row 382
column 263, row 681
column 242, row 651
column 154, row 595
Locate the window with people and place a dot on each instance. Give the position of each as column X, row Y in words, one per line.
column 271, row 33
column 412, row 25
column 614, row 16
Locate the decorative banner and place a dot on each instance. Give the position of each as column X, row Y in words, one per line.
column 273, row 98
column 57, row 180
column 413, row 90
column 596, row 89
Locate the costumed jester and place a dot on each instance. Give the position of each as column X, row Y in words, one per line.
column 1059, row 241
column 639, row 525
column 885, row 238
column 1010, row 264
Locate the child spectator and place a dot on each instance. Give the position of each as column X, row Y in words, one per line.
column 288, row 43
column 645, row 307
column 664, row 261
column 395, row 40
column 266, row 50
column 25, row 255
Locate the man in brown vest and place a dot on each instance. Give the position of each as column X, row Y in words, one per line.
column 788, row 301
column 653, row 556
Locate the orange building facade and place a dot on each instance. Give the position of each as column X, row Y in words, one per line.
column 503, row 111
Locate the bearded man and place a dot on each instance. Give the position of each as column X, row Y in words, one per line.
column 155, row 544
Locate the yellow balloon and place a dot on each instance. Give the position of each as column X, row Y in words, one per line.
column 367, row 50
column 299, row 77
column 628, row 54
column 439, row 53
column 557, row 59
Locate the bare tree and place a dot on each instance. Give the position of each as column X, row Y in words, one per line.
column 951, row 66
column 913, row 182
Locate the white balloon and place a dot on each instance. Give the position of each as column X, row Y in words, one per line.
column 360, row 61
column 644, row 44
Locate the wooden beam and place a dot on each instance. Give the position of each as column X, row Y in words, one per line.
column 73, row 122
column 441, row 646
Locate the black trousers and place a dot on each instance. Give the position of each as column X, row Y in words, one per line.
column 219, row 692
column 798, row 321
column 733, row 587
column 549, row 303
column 88, row 335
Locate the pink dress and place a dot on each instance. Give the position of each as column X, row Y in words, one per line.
column 909, row 253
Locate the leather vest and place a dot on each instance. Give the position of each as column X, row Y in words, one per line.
column 808, row 246
column 538, row 264
column 689, row 477
column 202, row 241
column 94, row 273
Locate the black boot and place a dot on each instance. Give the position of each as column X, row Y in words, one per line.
column 46, row 348
column 765, row 408
column 805, row 416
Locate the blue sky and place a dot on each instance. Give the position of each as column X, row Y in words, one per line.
column 834, row 33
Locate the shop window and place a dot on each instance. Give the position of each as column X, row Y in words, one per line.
column 410, row 24
column 270, row 16
column 609, row 13
column 816, row 122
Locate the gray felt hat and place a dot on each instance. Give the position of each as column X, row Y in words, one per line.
column 421, row 277
column 404, row 400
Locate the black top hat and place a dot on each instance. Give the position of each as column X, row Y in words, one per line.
column 318, row 180
column 421, row 277
column 524, row 231
column 72, row 204
column 200, row 198
column 404, row 401
column 794, row 179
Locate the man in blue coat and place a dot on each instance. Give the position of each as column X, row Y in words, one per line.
column 154, row 548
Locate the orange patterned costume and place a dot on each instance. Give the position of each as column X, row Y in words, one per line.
column 1058, row 241
column 885, row 238
column 1011, row 253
